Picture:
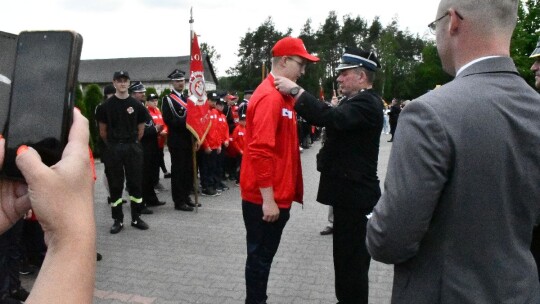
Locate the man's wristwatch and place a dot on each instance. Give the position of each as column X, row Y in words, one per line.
column 294, row 91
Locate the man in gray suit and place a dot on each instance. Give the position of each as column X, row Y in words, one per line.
column 461, row 193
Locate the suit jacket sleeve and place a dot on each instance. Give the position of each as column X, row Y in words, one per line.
column 418, row 169
column 347, row 116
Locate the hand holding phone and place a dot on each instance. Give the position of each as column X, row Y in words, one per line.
column 42, row 96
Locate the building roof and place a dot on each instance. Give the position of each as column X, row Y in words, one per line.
column 145, row 69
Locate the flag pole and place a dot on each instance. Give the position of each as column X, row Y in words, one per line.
column 193, row 143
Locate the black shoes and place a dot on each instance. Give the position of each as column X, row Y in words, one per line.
column 209, row 192
column 99, row 257
column 6, row 299
column 192, row 204
column 167, row 175
column 221, row 186
column 183, row 207
column 19, row 294
column 139, row 224
column 117, row 226
column 155, row 204
column 160, row 187
column 327, row 231
column 145, row 210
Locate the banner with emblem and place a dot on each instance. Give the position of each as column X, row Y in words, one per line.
column 197, row 120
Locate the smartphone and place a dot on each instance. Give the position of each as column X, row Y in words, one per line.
column 42, row 96
column 8, row 45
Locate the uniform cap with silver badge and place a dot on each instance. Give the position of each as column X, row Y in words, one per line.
column 137, row 87
column 177, row 75
column 355, row 58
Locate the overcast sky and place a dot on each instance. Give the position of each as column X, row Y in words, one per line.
column 153, row 28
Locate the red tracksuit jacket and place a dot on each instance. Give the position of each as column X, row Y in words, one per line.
column 271, row 152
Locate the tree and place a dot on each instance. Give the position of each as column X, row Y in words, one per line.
column 254, row 51
column 79, row 99
column 212, row 54
column 91, row 100
column 525, row 37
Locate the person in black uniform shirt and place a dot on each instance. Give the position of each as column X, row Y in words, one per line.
column 151, row 154
column 180, row 142
column 393, row 117
column 121, row 125
column 348, row 164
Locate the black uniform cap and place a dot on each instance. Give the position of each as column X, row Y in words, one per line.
column 248, row 92
column 152, row 96
column 213, row 96
column 137, row 86
column 120, row 74
column 355, row 57
column 177, row 75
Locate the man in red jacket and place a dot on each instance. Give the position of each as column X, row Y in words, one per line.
column 271, row 174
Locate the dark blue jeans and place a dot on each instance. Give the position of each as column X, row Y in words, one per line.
column 262, row 243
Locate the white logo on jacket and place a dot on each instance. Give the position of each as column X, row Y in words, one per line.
column 287, row 113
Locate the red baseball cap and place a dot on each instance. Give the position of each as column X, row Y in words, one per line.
column 290, row 46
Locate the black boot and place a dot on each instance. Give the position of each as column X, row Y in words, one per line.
column 136, row 220
column 145, row 210
column 118, row 217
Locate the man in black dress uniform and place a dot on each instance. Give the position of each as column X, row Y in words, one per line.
column 348, row 164
column 121, row 125
column 180, row 142
column 151, row 153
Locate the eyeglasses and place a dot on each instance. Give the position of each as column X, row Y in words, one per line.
column 433, row 25
column 300, row 63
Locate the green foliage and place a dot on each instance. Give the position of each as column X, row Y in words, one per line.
column 410, row 63
column 92, row 98
column 254, row 50
column 79, row 99
column 525, row 37
column 211, row 52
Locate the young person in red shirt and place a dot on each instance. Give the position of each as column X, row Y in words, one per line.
column 223, row 129
column 236, row 144
column 152, row 106
column 271, row 174
column 210, row 148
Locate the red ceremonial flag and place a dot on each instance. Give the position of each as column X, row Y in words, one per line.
column 197, row 121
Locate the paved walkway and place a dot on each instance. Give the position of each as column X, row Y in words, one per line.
column 189, row 257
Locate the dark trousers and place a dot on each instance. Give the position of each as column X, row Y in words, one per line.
column 150, row 176
column 181, row 174
column 162, row 161
column 209, row 169
column 351, row 258
column 10, row 255
column 262, row 240
column 124, row 162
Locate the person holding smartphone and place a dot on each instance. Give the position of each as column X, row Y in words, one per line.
column 63, row 196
